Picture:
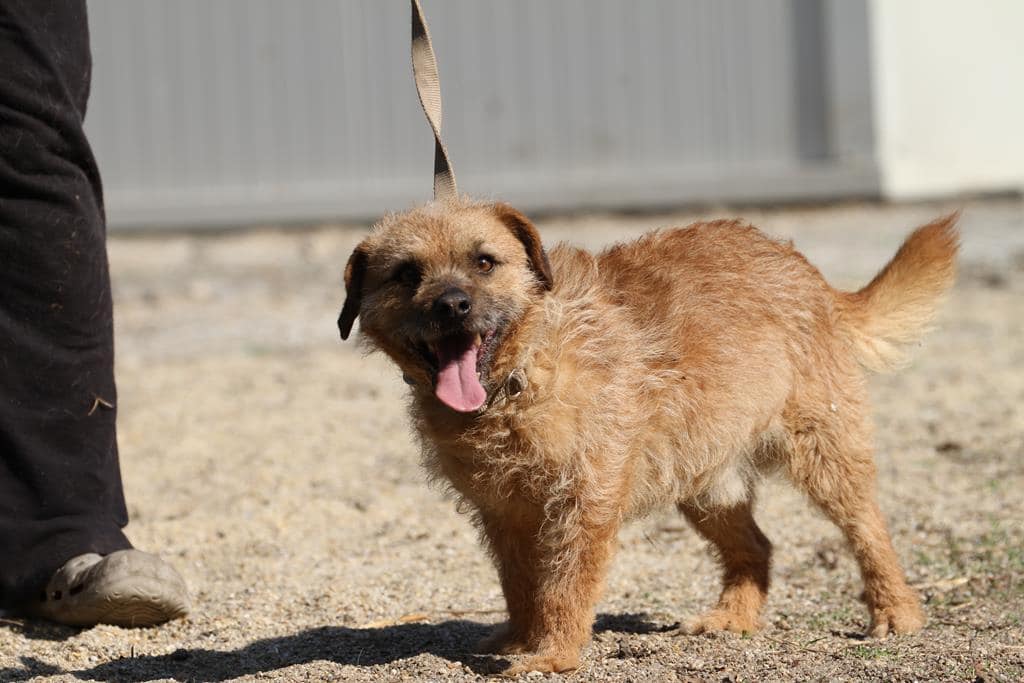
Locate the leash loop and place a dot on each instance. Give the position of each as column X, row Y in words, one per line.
column 428, row 87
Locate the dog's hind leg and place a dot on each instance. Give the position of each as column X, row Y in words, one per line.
column 745, row 555
column 838, row 473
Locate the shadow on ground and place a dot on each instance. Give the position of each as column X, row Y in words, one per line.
column 451, row 640
column 31, row 629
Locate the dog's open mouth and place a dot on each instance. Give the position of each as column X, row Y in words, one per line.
column 460, row 362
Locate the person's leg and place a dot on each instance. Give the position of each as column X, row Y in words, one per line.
column 60, row 484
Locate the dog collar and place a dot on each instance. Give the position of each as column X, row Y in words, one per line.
column 511, row 389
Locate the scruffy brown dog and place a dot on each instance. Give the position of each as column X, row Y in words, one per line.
column 560, row 398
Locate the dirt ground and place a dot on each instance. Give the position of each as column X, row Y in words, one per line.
column 273, row 465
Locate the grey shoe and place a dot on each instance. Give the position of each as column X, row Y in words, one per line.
column 124, row 588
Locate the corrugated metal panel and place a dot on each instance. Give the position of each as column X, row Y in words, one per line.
column 263, row 110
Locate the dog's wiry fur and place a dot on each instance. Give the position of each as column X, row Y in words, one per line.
column 678, row 368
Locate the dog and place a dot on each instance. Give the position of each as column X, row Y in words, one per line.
column 560, row 394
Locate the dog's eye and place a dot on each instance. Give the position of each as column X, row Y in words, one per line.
column 408, row 274
column 485, row 263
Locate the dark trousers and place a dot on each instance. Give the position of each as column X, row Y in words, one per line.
column 60, row 485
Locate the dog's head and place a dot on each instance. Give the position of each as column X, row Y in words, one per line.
column 437, row 288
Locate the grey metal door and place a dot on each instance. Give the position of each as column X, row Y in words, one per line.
column 240, row 111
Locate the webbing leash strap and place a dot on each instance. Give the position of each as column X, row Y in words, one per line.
column 428, row 87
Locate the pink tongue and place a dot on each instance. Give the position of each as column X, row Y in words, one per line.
column 457, row 383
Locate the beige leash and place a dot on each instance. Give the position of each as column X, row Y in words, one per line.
column 428, row 87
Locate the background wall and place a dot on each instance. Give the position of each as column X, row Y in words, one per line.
column 241, row 111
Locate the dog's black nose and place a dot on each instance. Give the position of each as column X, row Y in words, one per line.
column 453, row 304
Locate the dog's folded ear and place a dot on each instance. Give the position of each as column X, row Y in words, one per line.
column 355, row 270
column 524, row 231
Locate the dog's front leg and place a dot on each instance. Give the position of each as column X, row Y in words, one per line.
column 514, row 547
column 570, row 557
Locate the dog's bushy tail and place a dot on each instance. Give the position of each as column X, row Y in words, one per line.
column 896, row 307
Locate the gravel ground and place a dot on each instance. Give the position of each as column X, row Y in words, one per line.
column 273, row 465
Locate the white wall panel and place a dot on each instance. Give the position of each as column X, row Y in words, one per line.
column 949, row 102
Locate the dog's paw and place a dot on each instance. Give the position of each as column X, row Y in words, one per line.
column 720, row 620
column 904, row 617
column 544, row 663
column 503, row 642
